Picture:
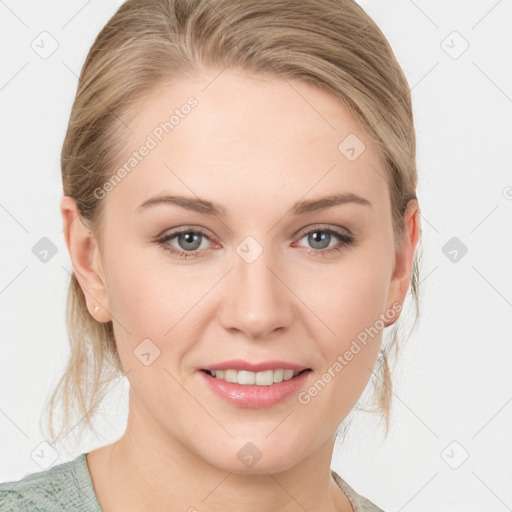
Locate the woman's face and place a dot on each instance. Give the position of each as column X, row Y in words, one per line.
column 263, row 280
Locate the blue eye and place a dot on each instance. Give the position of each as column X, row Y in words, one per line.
column 320, row 239
column 190, row 241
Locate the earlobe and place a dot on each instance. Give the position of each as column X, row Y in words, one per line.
column 405, row 255
column 86, row 260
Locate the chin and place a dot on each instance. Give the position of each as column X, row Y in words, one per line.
column 254, row 458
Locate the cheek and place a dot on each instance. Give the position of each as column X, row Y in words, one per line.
column 351, row 301
column 150, row 333
column 157, row 300
column 143, row 288
column 351, row 295
column 146, row 301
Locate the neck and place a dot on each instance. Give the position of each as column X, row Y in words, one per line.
column 144, row 471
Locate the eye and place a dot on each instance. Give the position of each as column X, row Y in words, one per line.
column 321, row 237
column 189, row 242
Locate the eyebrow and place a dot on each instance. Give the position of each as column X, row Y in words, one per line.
column 210, row 208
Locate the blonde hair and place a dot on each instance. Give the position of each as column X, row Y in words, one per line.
column 332, row 44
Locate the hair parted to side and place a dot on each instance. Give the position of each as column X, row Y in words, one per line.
column 332, row 44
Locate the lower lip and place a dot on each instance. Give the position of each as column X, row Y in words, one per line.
column 256, row 397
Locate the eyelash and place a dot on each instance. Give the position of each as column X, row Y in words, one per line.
column 344, row 239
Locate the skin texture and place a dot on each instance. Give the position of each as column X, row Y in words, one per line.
column 256, row 146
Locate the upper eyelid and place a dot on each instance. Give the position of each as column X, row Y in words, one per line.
column 185, row 229
column 325, row 227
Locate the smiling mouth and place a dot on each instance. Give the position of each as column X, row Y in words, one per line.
column 248, row 378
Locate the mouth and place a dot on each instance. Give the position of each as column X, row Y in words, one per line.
column 255, row 385
column 251, row 378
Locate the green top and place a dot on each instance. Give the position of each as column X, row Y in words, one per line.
column 68, row 486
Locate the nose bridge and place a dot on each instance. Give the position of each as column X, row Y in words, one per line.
column 257, row 302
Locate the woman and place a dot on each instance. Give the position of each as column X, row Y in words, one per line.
column 240, row 211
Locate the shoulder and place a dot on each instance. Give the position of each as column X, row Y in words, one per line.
column 60, row 487
column 359, row 503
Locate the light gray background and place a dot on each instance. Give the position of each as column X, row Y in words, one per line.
column 453, row 387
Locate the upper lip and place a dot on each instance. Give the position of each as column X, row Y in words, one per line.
column 239, row 364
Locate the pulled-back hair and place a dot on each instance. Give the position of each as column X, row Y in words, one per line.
column 332, row 44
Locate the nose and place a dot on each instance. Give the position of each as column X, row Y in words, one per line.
column 257, row 300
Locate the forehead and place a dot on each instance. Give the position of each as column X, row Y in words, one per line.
column 233, row 133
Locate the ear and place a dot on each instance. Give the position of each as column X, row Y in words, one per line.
column 404, row 256
column 86, row 260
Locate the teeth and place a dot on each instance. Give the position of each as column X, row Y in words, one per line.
column 288, row 374
column 278, row 375
column 247, row 378
column 230, row 375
